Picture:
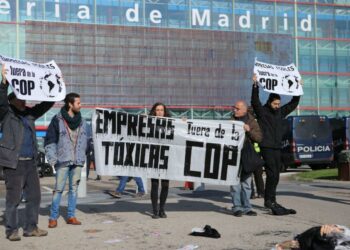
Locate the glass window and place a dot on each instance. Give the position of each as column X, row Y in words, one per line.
column 285, row 18
column 222, row 15
column 325, row 21
column 156, row 14
column 178, row 16
column 80, row 11
column 264, row 17
column 31, row 10
column 306, row 20
column 244, row 16
column 8, row 46
column 326, row 90
column 309, row 99
column 342, row 2
column 342, row 22
column 326, row 57
column 108, row 12
column 343, row 56
column 343, row 91
column 306, row 52
column 132, row 12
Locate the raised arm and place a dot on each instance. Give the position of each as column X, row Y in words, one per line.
column 290, row 106
column 41, row 108
column 255, row 101
column 4, row 105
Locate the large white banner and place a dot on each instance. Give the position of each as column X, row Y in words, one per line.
column 205, row 151
column 284, row 80
column 34, row 81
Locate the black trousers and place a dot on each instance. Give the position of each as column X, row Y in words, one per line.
column 23, row 179
column 272, row 158
column 259, row 181
column 163, row 194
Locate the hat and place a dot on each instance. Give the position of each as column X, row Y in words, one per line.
column 273, row 97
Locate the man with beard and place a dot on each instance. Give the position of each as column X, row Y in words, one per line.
column 270, row 118
column 65, row 146
column 18, row 151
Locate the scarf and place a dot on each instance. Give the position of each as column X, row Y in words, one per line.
column 73, row 122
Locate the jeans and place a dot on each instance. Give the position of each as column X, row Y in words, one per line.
column 240, row 196
column 124, row 179
column 73, row 173
column 22, row 179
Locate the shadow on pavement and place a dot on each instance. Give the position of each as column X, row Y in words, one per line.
column 146, row 209
column 315, row 197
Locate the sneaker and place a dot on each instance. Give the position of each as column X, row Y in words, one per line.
column 37, row 232
column 13, row 236
column 251, row 213
column 238, row 213
column 162, row 214
column 115, row 194
column 140, row 194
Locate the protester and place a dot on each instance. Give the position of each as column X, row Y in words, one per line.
column 326, row 237
column 270, row 120
column 65, row 146
column 241, row 193
column 18, row 153
column 122, row 183
column 159, row 109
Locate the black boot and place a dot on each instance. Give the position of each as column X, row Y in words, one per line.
column 155, row 215
column 162, row 213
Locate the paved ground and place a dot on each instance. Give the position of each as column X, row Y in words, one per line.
column 126, row 223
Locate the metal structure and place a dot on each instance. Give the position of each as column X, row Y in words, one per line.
column 194, row 55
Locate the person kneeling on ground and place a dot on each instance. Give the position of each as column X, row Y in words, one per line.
column 326, row 237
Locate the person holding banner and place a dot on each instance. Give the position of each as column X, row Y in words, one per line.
column 270, row 120
column 65, row 146
column 159, row 109
column 241, row 193
column 18, row 153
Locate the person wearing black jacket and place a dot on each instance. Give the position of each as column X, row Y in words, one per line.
column 18, row 151
column 270, row 118
column 325, row 237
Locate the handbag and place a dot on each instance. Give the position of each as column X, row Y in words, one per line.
column 250, row 159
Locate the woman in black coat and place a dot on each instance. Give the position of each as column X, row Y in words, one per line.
column 159, row 109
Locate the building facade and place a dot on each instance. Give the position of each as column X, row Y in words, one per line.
column 194, row 55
